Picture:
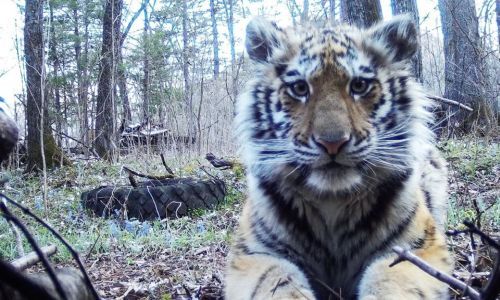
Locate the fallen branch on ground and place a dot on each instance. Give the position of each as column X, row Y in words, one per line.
column 168, row 176
column 32, row 258
column 449, row 101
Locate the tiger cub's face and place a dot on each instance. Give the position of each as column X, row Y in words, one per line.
column 333, row 99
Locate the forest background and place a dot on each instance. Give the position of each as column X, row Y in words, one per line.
column 96, row 74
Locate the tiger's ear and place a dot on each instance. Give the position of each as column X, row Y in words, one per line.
column 396, row 39
column 263, row 39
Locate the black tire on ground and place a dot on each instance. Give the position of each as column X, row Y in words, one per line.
column 153, row 200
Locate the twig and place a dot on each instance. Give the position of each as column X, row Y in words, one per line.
column 216, row 277
column 208, row 173
column 454, row 232
column 43, row 258
column 188, row 293
column 130, row 288
column 78, row 142
column 131, row 179
column 427, row 268
column 21, row 283
column 483, row 235
column 32, row 258
column 451, row 102
column 464, row 275
column 92, row 247
column 17, row 235
column 165, row 164
column 198, row 293
column 72, row 251
column 169, row 176
column 19, row 241
column 154, row 203
column 492, row 289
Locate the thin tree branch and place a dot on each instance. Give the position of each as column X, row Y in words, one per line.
column 132, row 180
column 169, row 176
column 405, row 255
column 484, row 236
column 492, row 289
column 449, row 101
column 78, row 142
column 131, row 22
column 72, row 251
column 169, row 170
column 43, row 258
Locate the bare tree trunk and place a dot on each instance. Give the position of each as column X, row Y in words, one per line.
column 362, row 13
column 121, row 74
column 85, row 74
column 215, row 40
column 35, row 84
column 122, row 88
column 185, row 70
column 55, row 82
column 464, row 67
column 198, row 116
column 497, row 9
column 145, row 83
column 81, row 66
column 332, row 10
column 229, row 10
column 105, row 118
column 294, row 10
column 410, row 7
column 304, row 16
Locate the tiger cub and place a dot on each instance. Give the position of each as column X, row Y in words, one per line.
column 341, row 167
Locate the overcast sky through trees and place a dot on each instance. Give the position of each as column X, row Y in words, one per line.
column 11, row 24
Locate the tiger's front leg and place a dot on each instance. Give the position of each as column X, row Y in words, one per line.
column 405, row 280
column 262, row 276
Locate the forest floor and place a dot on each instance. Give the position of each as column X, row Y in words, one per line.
column 184, row 258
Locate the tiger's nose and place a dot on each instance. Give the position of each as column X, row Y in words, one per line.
column 332, row 146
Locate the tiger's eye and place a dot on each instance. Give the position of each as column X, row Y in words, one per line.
column 300, row 88
column 359, row 85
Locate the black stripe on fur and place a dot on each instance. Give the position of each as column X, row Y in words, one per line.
column 387, row 193
column 261, row 280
